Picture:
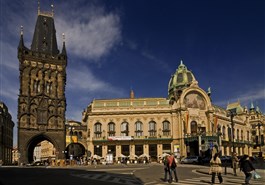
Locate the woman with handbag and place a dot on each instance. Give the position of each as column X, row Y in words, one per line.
column 216, row 168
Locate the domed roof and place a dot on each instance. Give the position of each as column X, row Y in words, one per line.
column 181, row 79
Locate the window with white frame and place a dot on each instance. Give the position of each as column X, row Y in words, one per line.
column 124, row 129
column 97, row 130
column 111, row 129
column 152, row 128
column 138, row 128
column 166, row 128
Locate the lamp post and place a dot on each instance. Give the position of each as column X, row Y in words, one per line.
column 200, row 139
column 71, row 148
column 219, row 140
column 232, row 113
column 259, row 140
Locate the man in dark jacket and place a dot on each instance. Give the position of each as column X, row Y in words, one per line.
column 246, row 166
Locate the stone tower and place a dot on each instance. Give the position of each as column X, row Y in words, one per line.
column 41, row 100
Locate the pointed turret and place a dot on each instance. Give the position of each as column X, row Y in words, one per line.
column 44, row 39
column 252, row 108
column 258, row 109
column 21, row 42
column 132, row 94
column 64, row 49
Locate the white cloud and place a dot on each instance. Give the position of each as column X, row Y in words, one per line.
column 245, row 98
column 91, row 32
column 8, row 56
column 159, row 63
column 82, row 79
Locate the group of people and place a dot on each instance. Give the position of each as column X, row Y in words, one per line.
column 170, row 168
column 245, row 165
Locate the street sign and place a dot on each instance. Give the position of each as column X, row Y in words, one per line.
column 211, row 145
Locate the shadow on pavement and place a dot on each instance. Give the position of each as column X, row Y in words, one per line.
column 44, row 176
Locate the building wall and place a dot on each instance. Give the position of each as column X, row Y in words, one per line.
column 6, row 135
column 47, row 150
column 194, row 106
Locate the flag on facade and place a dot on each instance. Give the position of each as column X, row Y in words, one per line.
column 187, row 120
column 215, row 123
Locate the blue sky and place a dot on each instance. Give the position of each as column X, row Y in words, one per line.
column 117, row 45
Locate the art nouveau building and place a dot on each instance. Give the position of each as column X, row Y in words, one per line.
column 186, row 123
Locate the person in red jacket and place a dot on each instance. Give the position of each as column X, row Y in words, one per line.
column 172, row 163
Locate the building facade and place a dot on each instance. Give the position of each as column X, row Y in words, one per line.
column 185, row 123
column 6, row 135
column 76, row 140
column 41, row 100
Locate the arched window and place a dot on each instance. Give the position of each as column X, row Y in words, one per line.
column 242, row 135
column 237, row 134
column 224, row 132
column 97, row 130
column 166, row 128
column 247, row 135
column 193, row 127
column 111, row 129
column 152, row 128
column 229, row 133
column 124, row 129
column 138, row 128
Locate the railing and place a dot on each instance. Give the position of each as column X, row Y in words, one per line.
column 137, row 138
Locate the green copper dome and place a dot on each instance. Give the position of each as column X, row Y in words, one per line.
column 180, row 80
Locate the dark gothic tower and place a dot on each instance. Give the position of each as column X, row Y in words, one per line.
column 41, row 101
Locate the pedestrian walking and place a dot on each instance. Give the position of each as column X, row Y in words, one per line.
column 235, row 163
column 166, row 169
column 172, row 163
column 247, row 167
column 216, row 168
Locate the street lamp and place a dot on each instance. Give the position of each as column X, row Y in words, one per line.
column 200, row 138
column 65, row 153
column 232, row 113
column 260, row 152
column 71, row 148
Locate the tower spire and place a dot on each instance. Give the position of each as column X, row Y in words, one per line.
column 52, row 10
column 21, row 42
column 64, row 49
column 38, row 7
column 21, row 30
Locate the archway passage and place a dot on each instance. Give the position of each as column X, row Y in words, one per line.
column 193, row 148
column 40, row 148
column 75, row 150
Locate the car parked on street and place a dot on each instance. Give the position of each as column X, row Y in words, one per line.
column 226, row 159
column 206, row 160
column 36, row 163
column 190, row 160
